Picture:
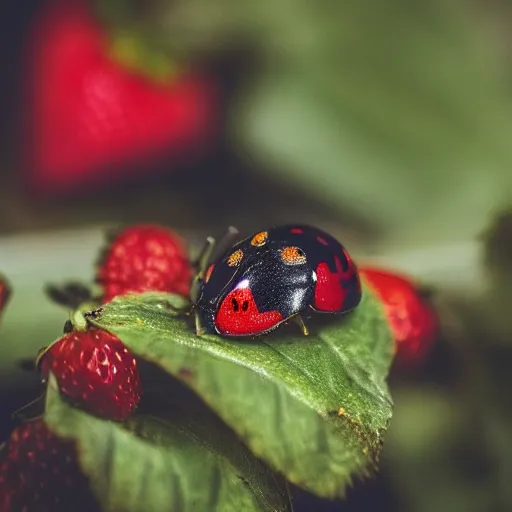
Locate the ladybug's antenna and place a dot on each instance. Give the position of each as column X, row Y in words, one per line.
column 202, row 260
column 200, row 264
column 227, row 240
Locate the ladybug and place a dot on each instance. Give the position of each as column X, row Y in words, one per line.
column 271, row 277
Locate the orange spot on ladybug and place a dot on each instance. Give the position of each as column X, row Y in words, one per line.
column 329, row 292
column 296, row 231
column 235, row 258
column 322, row 240
column 293, row 256
column 209, row 272
column 259, row 239
column 238, row 315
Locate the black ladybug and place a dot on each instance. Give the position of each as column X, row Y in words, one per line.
column 271, row 277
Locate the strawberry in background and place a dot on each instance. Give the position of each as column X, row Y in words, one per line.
column 101, row 105
column 412, row 319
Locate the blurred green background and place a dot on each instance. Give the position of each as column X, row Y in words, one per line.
column 386, row 123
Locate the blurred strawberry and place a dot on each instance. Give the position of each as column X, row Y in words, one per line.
column 412, row 320
column 96, row 371
column 39, row 472
column 89, row 115
column 5, row 292
column 145, row 257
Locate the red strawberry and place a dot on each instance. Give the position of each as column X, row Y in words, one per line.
column 412, row 320
column 88, row 115
column 145, row 257
column 40, row 473
column 5, row 292
column 96, row 371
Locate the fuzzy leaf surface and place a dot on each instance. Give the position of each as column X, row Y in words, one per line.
column 181, row 463
column 314, row 408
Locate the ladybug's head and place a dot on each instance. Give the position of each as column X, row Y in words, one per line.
column 253, row 288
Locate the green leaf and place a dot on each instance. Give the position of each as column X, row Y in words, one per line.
column 182, row 463
column 315, row 408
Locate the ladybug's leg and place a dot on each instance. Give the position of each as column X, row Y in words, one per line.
column 199, row 328
column 227, row 240
column 202, row 260
column 200, row 264
column 300, row 322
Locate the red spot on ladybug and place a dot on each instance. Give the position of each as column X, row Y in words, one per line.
column 322, row 240
column 296, row 231
column 329, row 292
column 348, row 258
column 238, row 315
column 352, row 268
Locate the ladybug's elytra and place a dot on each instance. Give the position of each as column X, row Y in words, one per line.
column 271, row 277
